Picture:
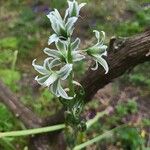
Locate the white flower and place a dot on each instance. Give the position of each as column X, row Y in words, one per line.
column 62, row 28
column 61, row 53
column 74, row 8
column 98, row 51
column 52, row 79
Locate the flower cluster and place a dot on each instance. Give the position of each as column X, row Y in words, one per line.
column 58, row 66
column 63, row 28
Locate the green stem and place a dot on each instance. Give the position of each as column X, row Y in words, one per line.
column 71, row 85
column 32, row 131
column 47, row 129
column 14, row 60
column 107, row 134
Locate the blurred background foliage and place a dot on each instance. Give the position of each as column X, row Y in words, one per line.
column 24, row 33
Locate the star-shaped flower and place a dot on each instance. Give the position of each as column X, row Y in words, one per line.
column 74, row 8
column 52, row 79
column 61, row 53
column 98, row 51
column 63, row 28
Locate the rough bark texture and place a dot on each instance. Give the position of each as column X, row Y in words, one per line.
column 130, row 52
column 122, row 56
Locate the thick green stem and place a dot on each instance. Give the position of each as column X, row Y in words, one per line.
column 48, row 129
column 71, row 85
column 107, row 134
column 32, row 131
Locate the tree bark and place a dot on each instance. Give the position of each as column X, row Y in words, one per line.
column 131, row 52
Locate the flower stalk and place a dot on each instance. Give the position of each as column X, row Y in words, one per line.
column 58, row 66
column 32, row 131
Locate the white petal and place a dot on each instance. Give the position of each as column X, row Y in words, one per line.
column 57, row 14
column 41, row 80
column 66, row 14
column 102, row 62
column 52, row 53
column 99, row 37
column 54, row 23
column 102, row 37
column 77, row 56
column 104, row 53
column 64, row 72
column 96, row 66
column 75, row 44
column 53, row 38
column 54, row 87
column 39, row 68
column 46, row 63
column 70, row 24
column 62, row 92
column 55, row 62
column 71, row 7
column 82, row 5
column 77, row 83
column 51, row 79
column 61, row 45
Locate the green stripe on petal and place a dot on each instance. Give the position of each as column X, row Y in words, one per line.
column 102, row 62
column 96, row 66
column 61, row 45
column 51, row 79
column 70, row 25
column 41, row 80
column 53, row 38
column 64, row 72
column 52, row 53
column 54, row 87
column 39, row 68
column 55, row 62
column 75, row 44
column 62, row 92
column 77, row 56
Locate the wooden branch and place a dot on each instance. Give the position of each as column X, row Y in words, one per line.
column 29, row 119
column 133, row 51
